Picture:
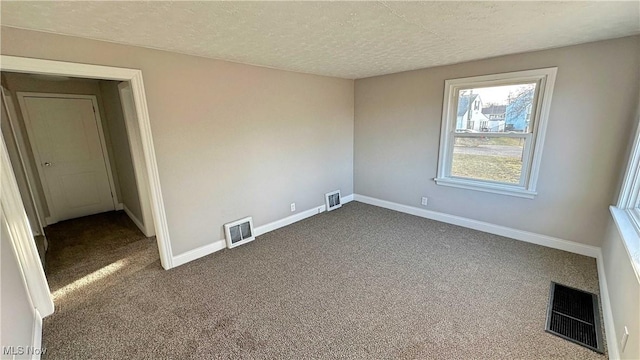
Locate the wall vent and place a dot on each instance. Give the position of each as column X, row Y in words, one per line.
column 332, row 200
column 239, row 232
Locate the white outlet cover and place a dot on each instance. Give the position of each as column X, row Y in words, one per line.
column 293, row 206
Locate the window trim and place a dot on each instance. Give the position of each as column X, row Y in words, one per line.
column 626, row 212
column 531, row 165
column 630, row 190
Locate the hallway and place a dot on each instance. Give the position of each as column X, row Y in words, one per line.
column 86, row 257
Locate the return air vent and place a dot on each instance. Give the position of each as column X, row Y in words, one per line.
column 573, row 315
column 239, row 232
column 332, row 200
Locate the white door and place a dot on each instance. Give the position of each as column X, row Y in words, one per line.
column 66, row 137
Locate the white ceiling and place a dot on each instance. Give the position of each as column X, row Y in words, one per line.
column 342, row 39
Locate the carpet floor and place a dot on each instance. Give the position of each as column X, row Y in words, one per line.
column 360, row 282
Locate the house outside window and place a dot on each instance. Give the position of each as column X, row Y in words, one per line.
column 493, row 130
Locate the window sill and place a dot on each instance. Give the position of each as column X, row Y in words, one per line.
column 629, row 235
column 487, row 187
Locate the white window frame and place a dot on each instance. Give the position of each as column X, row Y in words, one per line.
column 626, row 213
column 534, row 141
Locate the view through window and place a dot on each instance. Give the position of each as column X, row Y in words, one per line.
column 483, row 113
column 493, row 129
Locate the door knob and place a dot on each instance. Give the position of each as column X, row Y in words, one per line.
column 47, row 164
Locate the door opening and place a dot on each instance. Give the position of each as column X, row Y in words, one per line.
column 14, row 209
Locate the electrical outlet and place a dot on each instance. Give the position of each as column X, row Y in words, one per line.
column 293, row 207
column 424, row 201
column 625, row 337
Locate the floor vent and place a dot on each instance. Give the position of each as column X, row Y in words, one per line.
column 332, row 200
column 239, row 232
column 573, row 315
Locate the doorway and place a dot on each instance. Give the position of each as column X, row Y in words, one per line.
column 142, row 152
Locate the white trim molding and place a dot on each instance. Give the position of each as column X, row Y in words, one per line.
column 14, row 217
column 36, row 339
column 626, row 213
column 137, row 157
column 134, row 77
column 538, row 239
column 629, row 235
column 533, row 139
column 630, row 190
column 486, row 187
column 609, row 327
column 260, row 230
column 526, row 236
column 197, row 253
column 21, row 147
column 135, row 220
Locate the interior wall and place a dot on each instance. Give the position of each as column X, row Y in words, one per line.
column 231, row 140
column 121, row 152
column 25, row 83
column 397, row 134
column 624, row 290
column 17, row 313
column 18, row 170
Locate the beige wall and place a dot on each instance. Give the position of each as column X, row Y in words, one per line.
column 397, row 133
column 121, row 152
column 624, row 290
column 231, row 140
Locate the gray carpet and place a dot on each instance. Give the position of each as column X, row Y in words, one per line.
column 360, row 282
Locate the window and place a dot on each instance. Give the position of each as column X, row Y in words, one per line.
column 493, row 131
column 626, row 213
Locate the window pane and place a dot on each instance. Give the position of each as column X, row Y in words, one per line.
column 496, row 109
column 495, row 158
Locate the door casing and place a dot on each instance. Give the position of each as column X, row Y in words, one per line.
column 22, row 241
column 137, row 157
column 30, row 178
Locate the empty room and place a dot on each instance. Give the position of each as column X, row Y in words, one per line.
column 320, row 180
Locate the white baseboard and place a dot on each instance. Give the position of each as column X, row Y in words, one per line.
column 607, row 312
column 539, row 239
column 526, row 236
column 119, row 206
column 548, row 241
column 36, row 339
column 346, row 199
column 135, row 220
column 198, row 253
column 260, row 230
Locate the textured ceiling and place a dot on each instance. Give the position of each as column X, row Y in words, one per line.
column 342, row 39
